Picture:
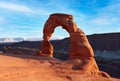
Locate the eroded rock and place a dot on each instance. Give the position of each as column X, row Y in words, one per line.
column 79, row 44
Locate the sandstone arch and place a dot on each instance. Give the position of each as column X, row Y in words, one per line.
column 81, row 54
column 79, row 45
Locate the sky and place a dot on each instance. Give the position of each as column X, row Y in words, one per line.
column 26, row 18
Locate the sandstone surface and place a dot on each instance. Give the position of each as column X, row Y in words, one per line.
column 33, row 68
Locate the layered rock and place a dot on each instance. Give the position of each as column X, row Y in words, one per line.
column 79, row 45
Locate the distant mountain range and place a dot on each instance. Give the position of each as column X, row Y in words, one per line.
column 108, row 41
column 14, row 40
column 10, row 40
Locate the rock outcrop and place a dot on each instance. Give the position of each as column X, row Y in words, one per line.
column 79, row 45
column 80, row 48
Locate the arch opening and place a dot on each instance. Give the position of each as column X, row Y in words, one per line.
column 59, row 33
column 61, row 43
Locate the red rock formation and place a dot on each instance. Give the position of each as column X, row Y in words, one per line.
column 79, row 45
column 46, row 49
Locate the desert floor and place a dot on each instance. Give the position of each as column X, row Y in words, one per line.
column 23, row 67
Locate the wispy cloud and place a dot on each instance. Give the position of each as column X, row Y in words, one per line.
column 108, row 15
column 103, row 21
column 23, row 27
column 31, row 10
column 27, row 20
column 15, row 7
column 2, row 21
column 17, row 32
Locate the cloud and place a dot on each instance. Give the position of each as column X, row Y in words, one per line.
column 22, row 27
column 103, row 21
column 32, row 10
column 108, row 15
column 2, row 21
column 16, row 32
column 30, row 21
column 15, row 7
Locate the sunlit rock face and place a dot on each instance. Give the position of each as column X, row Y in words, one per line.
column 79, row 45
column 80, row 48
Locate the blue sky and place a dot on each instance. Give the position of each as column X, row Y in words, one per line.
column 26, row 18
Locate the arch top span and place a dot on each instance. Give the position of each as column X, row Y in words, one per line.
column 62, row 14
column 58, row 19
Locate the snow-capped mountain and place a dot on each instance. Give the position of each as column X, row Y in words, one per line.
column 33, row 39
column 10, row 40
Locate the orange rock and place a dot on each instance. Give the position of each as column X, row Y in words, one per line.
column 79, row 45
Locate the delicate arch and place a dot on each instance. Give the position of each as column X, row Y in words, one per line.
column 80, row 49
column 79, row 45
